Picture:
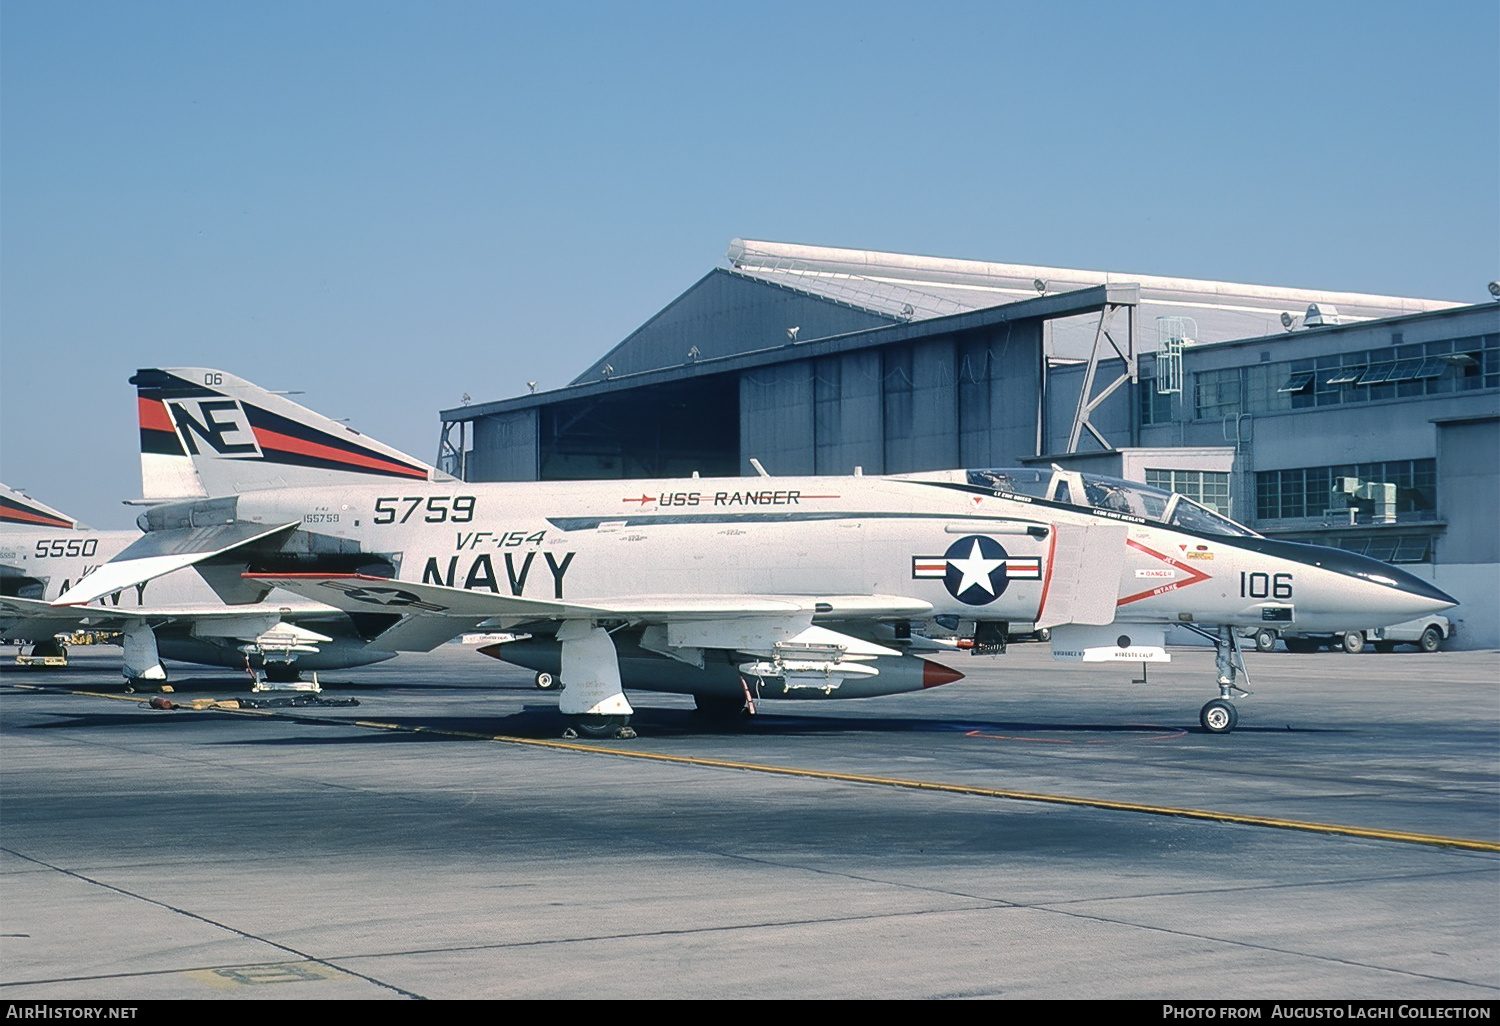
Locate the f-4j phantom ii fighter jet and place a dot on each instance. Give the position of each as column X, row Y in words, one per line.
column 44, row 552
column 735, row 590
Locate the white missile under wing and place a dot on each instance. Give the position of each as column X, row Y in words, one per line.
column 732, row 590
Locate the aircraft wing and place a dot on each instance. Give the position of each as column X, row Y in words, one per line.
column 360, row 592
column 23, row 610
column 34, row 618
column 161, row 552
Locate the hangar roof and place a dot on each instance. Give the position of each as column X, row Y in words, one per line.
column 725, row 313
column 773, row 294
column 778, row 348
column 910, row 288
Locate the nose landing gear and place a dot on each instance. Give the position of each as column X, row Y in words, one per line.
column 1220, row 716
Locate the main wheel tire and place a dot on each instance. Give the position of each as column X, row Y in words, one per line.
column 1354, row 642
column 545, row 680
column 1218, row 716
column 1045, row 634
column 1431, row 640
column 601, row 726
column 49, row 649
column 1302, row 645
column 1265, row 640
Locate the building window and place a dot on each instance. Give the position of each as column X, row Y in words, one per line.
column 1206, row 487
column 1304, row 492
column 1216, row 393
column 1155, row 407
column 1401, row 372
column 1398, row 371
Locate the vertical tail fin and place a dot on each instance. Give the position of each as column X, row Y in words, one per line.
column 207, row 432
column 166, row 469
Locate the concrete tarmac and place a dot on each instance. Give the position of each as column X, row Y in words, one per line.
column 301, row 853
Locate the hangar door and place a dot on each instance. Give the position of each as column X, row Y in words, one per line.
column 666, row 430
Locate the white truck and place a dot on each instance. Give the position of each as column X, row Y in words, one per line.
column 1427, row 634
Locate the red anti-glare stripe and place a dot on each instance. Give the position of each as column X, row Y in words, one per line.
column 26, row 516
column 284, row 443
column 153, row 414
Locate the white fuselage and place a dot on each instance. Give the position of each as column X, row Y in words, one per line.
column 598, row 540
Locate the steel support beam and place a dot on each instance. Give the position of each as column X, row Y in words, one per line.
column 1088, row 402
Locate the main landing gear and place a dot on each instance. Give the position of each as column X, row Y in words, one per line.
column 142, row 666
column 1220, row 716
column 593, row 700
column 600, row 727
column 590, row 725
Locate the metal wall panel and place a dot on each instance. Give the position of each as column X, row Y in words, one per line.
column 850, row 434
column 1015, row 362
column 1469, row 490
column 505, row 447
column 1112, row 417
column 920, row 406
column 776, row 418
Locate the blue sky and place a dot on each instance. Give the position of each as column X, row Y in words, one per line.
column 391, row 204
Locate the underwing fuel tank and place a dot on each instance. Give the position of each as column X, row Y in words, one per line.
column 721, row 673
column 334, row 654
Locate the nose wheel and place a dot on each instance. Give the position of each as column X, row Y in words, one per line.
column 1218, row 716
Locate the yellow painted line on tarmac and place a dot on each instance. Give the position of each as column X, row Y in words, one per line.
column 1405, row 837
column 1434, row 840
column 1464, row 843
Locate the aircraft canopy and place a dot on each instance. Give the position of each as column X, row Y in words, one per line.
column 1097, row 491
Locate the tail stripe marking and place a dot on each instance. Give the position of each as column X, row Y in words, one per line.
column 158, row 436
column 271, row 441
column 15, row 513
column 153, row 413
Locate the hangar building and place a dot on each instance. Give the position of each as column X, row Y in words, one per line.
column 1368, row 422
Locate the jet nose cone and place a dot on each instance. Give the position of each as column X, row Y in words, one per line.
column 1397, row 594
column 1437, row 595
column 1412, row 594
